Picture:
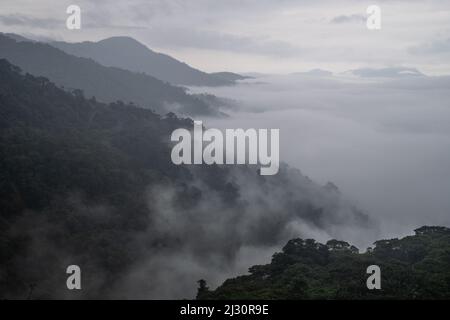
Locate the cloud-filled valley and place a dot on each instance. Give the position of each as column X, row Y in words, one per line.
column 88, row 177
column 384, row 141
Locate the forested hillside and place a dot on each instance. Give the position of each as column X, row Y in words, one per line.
column 414, row 267
column 92, row 184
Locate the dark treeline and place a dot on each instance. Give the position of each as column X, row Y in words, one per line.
column 414, row 267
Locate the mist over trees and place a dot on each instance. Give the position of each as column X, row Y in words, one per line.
column 414, row 267
column 92, row 184
column 361, row 121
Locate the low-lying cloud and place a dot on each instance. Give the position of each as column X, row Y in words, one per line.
column 384, row 142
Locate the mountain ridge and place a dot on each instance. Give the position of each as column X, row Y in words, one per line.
column 108, row 84
column 128, row 53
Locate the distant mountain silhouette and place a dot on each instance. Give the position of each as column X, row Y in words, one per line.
column 16, row 37
column 108, row 84
column 128, row 53
column 392, row 72
column 230, row 76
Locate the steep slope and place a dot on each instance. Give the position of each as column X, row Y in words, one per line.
column 92, row 184
column 105, row 83
column 129, row 54
column 415, row 267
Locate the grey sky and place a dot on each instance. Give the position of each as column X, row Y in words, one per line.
column 255, row 35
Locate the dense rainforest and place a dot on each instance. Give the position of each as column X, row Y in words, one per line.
column 90, row 183
column 414, row 267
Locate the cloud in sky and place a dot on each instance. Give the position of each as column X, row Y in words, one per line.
column 13, row 20
column 436, row 47
column 349, row 18
column 266, row 36
column 208, row 40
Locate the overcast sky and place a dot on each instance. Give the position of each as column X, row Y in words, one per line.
column 269, row 36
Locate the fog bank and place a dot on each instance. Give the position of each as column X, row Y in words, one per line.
column 384, row 142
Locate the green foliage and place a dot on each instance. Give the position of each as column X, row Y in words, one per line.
column 415, row 267
column 73, row 180
column 77, row 182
